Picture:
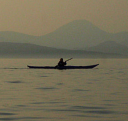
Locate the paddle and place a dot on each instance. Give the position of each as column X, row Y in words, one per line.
column 65, row 61
column 69, row 59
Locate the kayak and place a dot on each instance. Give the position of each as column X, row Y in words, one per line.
column 64, row 67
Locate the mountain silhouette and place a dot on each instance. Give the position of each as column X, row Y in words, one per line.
column 9, row 49
column 78, row 34
column 110, row 47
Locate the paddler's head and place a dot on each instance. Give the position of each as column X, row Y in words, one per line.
column 61, row 59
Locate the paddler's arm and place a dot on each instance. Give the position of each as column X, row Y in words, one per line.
column 65, row 63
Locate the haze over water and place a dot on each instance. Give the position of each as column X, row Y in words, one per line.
column 98, row 94
column 39, row 17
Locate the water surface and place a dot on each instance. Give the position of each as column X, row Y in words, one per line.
column 98, row 94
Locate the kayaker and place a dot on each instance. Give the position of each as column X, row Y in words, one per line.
column 61, row 63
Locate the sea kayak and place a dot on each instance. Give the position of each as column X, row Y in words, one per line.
column 64, row 67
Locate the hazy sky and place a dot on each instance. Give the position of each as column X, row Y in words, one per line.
column 38, row 17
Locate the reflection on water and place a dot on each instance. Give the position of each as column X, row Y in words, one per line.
column 98, row 94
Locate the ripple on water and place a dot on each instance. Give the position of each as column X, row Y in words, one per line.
column 38, row 103
column 44, row 76
column 2, row 113
column 21, row 106
column 87, row 107
column 86, row 110
column 93, row 110
column 87, row 116
column 27, row 118
column 47, row 88
column 60, row 83
column 79, row 90
column 15, row 82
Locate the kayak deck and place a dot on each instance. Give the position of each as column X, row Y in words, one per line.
column 64, row 67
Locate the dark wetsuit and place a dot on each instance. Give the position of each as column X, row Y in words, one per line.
column 61, row 63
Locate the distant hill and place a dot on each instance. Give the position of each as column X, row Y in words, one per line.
column 24, row 49
column 8, row 49
column 79, row 34
column 110, row 47
column 10, row 36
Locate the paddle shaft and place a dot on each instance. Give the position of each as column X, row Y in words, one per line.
column 68, row 59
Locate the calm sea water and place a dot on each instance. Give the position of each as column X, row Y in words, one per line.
column 99, row 94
